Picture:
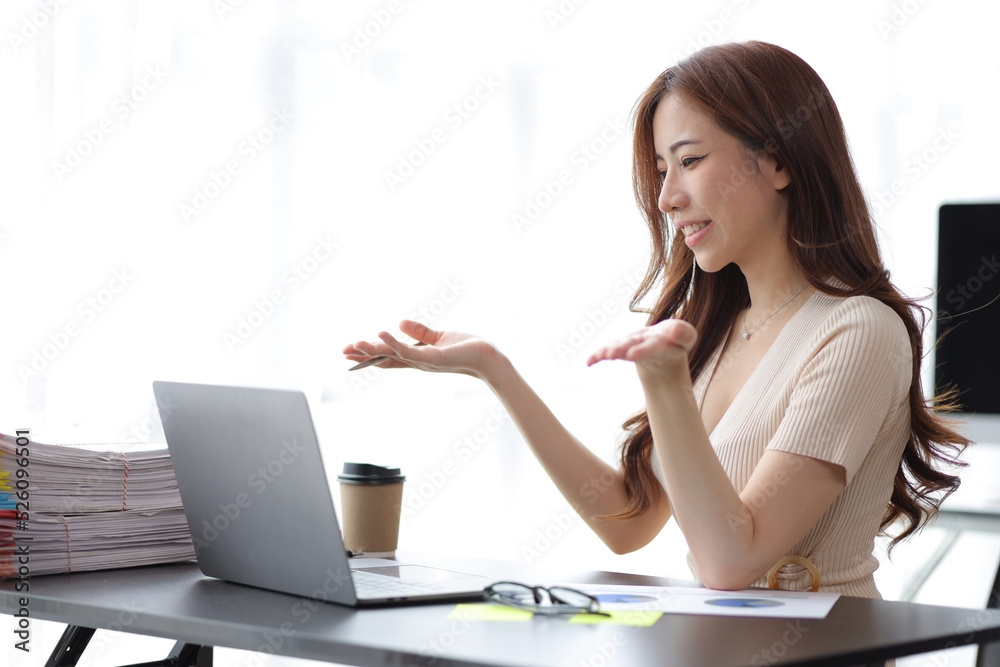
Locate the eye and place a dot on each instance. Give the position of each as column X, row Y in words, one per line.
column 688, row 161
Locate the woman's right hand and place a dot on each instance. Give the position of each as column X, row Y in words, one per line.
column 441, row 352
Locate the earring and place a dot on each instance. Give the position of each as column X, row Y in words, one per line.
column 694, row 269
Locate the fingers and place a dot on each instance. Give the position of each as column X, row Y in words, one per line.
column 353, row 350
column 390, row 353
column 394, row 345
column 400, row 351
column 420, row 332
column 620, row 348
column 368, row 354
column 683, row 334
column 649, row 348
column 366, row 349
column 673, row 333
column 617, row 350
column 649, row 342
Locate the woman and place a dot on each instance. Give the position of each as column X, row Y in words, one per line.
column 780, row 367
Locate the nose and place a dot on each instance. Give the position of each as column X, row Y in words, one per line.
column 672, row 196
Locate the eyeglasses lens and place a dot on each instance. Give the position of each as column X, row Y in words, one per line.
column 561, row 600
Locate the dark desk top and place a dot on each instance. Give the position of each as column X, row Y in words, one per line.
column 178, row 602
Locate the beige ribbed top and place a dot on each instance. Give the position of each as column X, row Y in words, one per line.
column 833, row 386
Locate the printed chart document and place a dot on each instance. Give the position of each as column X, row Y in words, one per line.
column 705, row 601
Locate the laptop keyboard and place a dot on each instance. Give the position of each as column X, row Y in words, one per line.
column 370, row 585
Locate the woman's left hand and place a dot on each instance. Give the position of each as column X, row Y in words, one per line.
column 661, row 348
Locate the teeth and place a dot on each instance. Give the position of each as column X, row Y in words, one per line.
column 688, row 230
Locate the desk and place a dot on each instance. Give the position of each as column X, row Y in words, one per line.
column 178, row 602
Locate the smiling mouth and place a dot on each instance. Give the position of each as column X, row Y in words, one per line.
column 688, row 230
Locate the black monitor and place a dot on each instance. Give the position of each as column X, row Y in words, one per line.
column 968, row 312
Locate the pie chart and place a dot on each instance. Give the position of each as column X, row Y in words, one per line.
column 744, row 602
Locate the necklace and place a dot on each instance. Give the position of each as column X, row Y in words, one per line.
column 747, row 334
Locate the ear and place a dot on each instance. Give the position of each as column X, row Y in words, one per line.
column 775, row 172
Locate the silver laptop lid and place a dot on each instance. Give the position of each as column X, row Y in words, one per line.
column 254, row 489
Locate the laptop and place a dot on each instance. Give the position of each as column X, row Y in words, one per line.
column 258, row 503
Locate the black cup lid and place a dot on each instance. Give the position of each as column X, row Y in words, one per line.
column 368, row 473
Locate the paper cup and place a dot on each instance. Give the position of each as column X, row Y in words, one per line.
column 371, row 498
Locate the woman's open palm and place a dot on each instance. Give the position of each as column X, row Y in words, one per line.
column 439, row 352
column 659, row 347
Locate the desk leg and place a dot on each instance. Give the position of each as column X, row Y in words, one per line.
column 70, row 647
column 183, row 655
column 989, row 654
column 75, row 639
column 190, row 655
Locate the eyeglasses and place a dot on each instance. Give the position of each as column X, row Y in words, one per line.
column 554, row 600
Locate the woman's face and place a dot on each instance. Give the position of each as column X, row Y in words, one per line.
column 727, row 202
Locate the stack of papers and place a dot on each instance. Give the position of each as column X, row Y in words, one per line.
column 73, row 508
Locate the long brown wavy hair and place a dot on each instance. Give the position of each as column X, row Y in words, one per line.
column 773, row 101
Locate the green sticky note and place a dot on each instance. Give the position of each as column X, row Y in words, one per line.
column 483, row 611
column 640, row 619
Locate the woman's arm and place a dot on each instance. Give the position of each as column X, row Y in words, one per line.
column 733, row 541
column 590, row 485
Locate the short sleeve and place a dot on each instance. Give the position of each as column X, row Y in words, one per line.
column 853, row 380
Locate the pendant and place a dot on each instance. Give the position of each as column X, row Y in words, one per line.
column 746, row 335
